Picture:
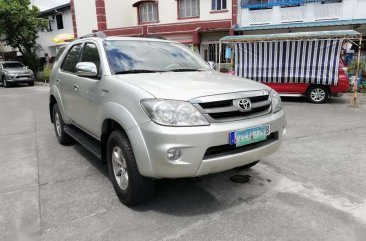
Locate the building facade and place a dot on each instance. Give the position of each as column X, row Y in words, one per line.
column 277, row 15
column 59, row 22
column 197, row 23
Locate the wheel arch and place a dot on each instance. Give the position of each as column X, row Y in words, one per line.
column 124, row 121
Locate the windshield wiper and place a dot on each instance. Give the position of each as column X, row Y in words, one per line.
column 138, row 71
column 185, row 70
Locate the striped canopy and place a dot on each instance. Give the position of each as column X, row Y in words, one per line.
column 289, row 61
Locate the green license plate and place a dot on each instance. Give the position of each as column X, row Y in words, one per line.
column 249, row 135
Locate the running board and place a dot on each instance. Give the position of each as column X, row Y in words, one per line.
column 291, row 95
column 88, row 142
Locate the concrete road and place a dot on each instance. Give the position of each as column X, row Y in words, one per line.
column 314, row 188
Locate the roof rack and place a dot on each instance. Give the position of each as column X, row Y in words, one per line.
column 96, row 34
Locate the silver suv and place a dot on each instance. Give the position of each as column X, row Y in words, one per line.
column 154, row 109
column 13, row 72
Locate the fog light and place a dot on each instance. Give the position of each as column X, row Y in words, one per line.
column 173, row 154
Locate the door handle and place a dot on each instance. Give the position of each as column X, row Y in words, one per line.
column 58, row 81
column 76, row 87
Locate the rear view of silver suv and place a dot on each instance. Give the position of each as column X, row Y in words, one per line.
column 154, row 109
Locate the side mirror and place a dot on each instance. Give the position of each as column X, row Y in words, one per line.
column 212, row 64
column 86, row 69
column 26, row 67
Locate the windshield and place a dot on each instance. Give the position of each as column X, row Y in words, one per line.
column 12, row 65
column 128, row 56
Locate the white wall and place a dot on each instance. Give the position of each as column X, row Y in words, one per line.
column 86, row 16
column 310, row 12
column 45, row 37
column 121, row 13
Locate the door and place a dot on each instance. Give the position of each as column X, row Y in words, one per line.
column 65, row 81
column 89, row 93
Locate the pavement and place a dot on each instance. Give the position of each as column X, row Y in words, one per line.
column 314, row 188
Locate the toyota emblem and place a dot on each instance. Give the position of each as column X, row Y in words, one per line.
column 243, row 105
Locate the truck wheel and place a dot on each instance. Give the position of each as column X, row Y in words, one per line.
column 59, row 125
column 317, row 94
column 247, row 166
column 130, row 186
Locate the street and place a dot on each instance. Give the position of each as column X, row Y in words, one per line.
column 314, row 188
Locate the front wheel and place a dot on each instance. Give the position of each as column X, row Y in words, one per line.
column 59, row 126
column 130, row 186
column 31, row 83
column 317, row 94
column 5, row 83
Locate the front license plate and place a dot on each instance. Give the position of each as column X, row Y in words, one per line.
column 249, row 135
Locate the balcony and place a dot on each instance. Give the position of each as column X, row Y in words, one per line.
column 276, row 12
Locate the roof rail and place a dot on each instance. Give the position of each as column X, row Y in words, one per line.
column 96, row 34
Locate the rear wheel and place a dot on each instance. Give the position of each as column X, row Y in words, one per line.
column 317, row 94
column 130, row 186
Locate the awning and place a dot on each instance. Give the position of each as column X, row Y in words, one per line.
column 327, row 23
column 339, row 34
column 138, row 3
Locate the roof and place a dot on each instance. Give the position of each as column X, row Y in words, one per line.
column 340, row 34
column 59, row 8
column 324, row 23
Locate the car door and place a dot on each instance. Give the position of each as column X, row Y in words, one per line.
column 65, row 81
column 89, row 92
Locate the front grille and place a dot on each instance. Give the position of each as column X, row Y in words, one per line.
column 223, row 109
column 217, row 151
column 23, row 76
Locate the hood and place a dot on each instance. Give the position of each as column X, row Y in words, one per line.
column 190, row 85
column 19, row 70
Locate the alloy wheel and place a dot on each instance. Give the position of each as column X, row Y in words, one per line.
column 317, row 95
column 120, row 168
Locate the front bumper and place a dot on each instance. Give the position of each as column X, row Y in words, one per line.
column 18, row 79
column 193, row 143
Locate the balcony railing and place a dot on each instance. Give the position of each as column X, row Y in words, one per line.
column 263, row 4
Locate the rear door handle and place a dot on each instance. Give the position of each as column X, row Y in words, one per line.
column 76, row 87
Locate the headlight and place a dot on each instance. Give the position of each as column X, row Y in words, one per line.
column 173, row 113
column 276, row 101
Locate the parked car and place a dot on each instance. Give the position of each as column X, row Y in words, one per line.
column 13, row 72
column 154, row 109
column 315, row 93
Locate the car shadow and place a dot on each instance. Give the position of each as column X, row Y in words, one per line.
column 209, row 194
column 200, row 195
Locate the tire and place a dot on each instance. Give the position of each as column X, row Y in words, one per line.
column 31, row 83
column 247, row 166
column 131, row 188
column 5, row 83
column 59, row 126
column 317, row 94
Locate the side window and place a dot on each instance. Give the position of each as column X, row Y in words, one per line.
column 90, row 54
column 71, row 59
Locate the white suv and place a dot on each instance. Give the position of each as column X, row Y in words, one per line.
column 154, row 109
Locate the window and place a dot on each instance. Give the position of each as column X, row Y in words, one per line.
column 148, row 12
column 90, row 54
column 189, row 8
column 59, row 21
column 71, row 59
column 218, row 5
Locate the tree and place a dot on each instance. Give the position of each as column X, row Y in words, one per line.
column 19, row 25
